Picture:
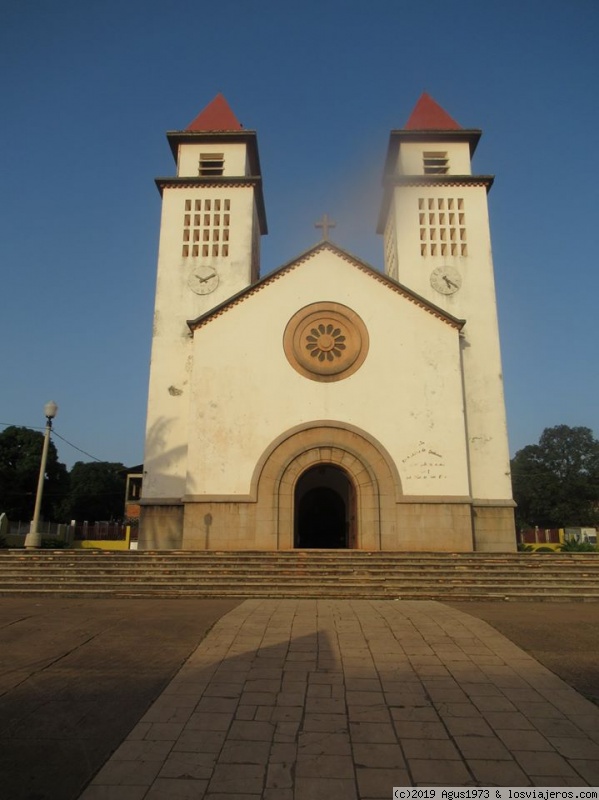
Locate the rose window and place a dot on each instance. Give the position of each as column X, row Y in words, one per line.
column 326, row 341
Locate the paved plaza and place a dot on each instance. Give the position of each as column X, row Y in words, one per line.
column 310, row 699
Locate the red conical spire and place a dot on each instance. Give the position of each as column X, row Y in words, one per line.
column 429, row 116
column 217, row 116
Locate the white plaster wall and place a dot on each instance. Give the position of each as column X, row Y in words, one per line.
column 407, row 394
column 411, row 157
column 165, row 459
column 476, row 303
column 189, row 158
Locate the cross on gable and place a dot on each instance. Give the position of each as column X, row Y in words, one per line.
column 325, row 223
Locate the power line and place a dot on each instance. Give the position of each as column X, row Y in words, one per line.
column 85, row 453
column 38, row 428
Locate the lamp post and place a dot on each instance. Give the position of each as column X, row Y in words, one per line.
column 34, row 537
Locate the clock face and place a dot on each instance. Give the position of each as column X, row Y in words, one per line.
column 446, row 280
column 203, row 280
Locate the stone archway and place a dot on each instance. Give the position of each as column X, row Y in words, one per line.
column 366, row 463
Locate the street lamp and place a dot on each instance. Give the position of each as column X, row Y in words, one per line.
column 34, row 537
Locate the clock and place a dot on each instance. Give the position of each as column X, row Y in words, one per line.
column 203, row 280
column 446, row 280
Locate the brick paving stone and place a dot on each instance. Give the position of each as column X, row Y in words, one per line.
column 525, row 740
column 508, row 720
column 199, row 742
column 324, row 766
column 325, row 789
column 589, row 769
column 576, row 748
column 493, row 703
column 142, row 751
column 544, row 763
column 238, row 778
column 378, row 755
column 468, row 726
column 497, row 773
column 94, row 792
column 432, row 749
column 279, row 776
column 331, row 723
column 374, row 783
column 128, row 773
column 423, row 713
column 188, row 765
column 251, row 731
column 372, row 732
column 209, row 721
column 378, row 713
column 560, row 728
column 291, row 700
column 326, row 706
column 237, row 752
column 542, row 710
column 164, row 731
column 484, row 747
column 438, row 772
column 324, row 744
column 406, row 729
column 171, row 789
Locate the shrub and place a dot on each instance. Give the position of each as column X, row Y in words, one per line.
column 50, row 543
column 572, row 546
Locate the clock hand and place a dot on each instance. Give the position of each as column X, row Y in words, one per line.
column 451, row 283
column 203, row 280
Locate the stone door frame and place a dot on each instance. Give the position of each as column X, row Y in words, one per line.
column 367, row 464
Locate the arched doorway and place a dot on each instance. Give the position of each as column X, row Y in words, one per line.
column 323, row 508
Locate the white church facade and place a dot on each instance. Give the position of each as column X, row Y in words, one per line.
column 328, row 404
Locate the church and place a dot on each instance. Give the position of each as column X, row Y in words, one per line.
column 328, row 404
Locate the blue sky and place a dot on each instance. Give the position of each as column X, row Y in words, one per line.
column 90, row 88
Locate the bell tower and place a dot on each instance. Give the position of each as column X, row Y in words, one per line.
column 212, row 219
column 437, row 242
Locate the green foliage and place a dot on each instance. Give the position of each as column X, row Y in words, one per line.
column 556, row 482
column 97, row 492
column 52, row 543
column 572, row 546
column 544, row 549
column 525, row 548
column 20, row 455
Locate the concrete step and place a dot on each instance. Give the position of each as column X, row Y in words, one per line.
column 322, row 573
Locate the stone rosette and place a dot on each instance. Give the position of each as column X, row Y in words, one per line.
column 326, row 341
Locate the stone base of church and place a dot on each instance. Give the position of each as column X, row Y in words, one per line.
column 410, row 527
column 161, row 527
column 406, row 526
column 494, row 528
column 433, row 527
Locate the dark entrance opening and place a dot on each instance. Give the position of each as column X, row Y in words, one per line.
column 323, row 502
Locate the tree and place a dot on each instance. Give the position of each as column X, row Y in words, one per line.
column 556, row 482
column 96, row 492
column 20, row 456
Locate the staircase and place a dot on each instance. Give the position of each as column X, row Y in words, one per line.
column 301, row 573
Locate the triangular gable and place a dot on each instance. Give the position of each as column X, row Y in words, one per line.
column 356, row 262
